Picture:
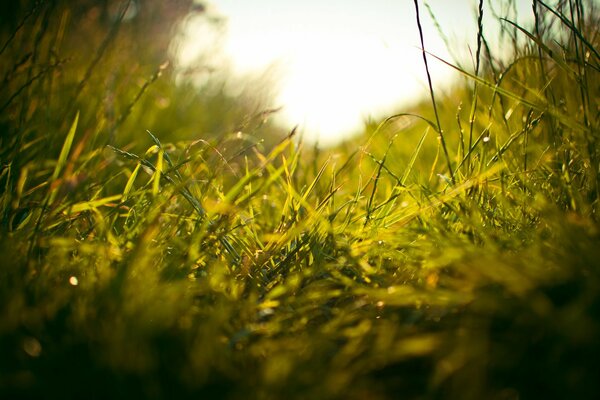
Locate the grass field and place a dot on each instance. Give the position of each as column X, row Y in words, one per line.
column 149, row 250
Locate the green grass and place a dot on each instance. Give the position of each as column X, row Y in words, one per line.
column 149, row 251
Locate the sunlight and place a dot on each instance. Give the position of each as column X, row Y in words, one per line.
column 334, row 84
column 338, row 64
column 162, row 237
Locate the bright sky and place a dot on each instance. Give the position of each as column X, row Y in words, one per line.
column 339, row 61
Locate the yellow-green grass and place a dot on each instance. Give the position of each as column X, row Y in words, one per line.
column 147, row 252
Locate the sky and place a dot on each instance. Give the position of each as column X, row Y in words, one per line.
column 336, row 63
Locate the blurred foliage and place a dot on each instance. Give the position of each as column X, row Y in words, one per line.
column 163, row 264
column 112, row 62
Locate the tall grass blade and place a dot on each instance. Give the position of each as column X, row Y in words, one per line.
column 431, row 92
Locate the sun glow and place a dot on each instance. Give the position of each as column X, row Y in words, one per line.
column 338, row 64
column 334, row 83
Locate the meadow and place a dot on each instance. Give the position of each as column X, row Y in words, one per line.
column 161, row 241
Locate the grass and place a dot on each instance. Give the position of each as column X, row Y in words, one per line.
column 146, row 251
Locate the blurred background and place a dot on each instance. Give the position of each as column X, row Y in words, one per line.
column 248, row 71
column 333, row 66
